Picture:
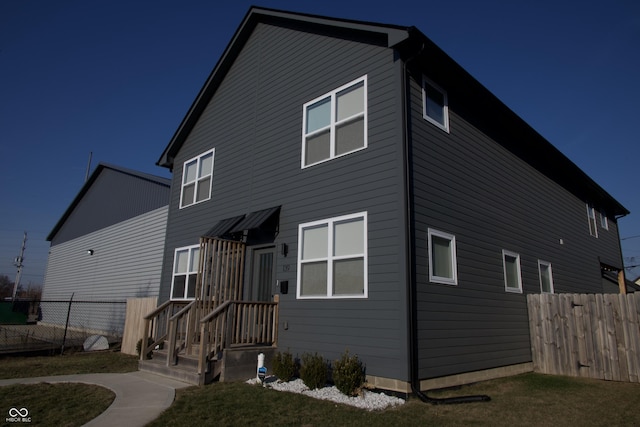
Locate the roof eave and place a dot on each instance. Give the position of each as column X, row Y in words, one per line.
column 89, row 182
column 552, row 162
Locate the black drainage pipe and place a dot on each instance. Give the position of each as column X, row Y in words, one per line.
column 413, row 351
column 449, row 400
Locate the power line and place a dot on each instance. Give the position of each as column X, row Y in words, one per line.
column 6, row 230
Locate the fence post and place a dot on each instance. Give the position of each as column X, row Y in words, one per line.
column 66, row 326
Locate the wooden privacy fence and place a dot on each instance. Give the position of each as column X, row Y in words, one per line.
column 137, row 308
column 586, row 335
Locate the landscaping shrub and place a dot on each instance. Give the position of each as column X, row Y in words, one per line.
column 139, row 347
column 313, row 371
column 348, row 374
column 284, row 366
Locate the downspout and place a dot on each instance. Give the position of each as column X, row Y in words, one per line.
column 622, row 280
column 409, row 264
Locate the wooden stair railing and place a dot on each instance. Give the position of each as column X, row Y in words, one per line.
column 157, row 324
column 217, row 318
column 236, row 323
column 212, row 335
column 179, row 331
column 255, row 322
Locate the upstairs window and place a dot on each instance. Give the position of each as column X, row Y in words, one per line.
column 435, row 106
column 185, row 272
column 512, row 272
column 442, row 258
column 335, row 124
column 546, row 278
column 332, row 258
column 197, row 177
column 604, row 222
column 591, row 216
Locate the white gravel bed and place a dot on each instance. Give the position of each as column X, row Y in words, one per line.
column 369, row 400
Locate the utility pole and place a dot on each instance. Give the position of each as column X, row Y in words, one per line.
column 18, row 263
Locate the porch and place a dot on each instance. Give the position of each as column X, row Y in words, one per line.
column 218, row 334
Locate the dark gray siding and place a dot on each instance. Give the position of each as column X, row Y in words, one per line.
column 112, row 198
column 466, row 184
column 254, row 121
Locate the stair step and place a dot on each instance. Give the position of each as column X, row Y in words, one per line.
column 189, row 376
column 237, row 363
column 190, row 360
column 180, row 373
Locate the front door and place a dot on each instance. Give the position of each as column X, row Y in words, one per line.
column 263, row 274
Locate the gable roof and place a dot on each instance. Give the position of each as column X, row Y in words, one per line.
column 388, row 35
column 102, row 167
column 495, row 118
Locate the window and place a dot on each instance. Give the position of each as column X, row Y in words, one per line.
column 185, row 272
column 435, row 107
column 591, row 216
column 335, row 124
column 197, row 176
column 442, row 258
column 512, row 273
column 604, row 222
column 546, row 278
column 332, row 258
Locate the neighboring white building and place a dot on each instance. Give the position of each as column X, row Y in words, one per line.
column 107, row 247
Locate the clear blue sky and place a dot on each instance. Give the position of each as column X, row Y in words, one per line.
column 116, row 77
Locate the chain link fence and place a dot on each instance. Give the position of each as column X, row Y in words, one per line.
column 53, row 325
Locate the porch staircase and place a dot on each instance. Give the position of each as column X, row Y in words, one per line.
column 235, row 364
column 185, row 369
column 217, row 336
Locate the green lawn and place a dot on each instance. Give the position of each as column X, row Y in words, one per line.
column 69, row 363
column 56, row 404
column 524, row 400
column 60, row 404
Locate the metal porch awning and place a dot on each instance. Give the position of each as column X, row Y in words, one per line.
column 240, row 223
column 255, row 220
column 223, row 226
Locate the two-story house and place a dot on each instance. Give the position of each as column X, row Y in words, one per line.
column 387, row 201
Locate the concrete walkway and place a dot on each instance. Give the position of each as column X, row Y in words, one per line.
column 140, row 396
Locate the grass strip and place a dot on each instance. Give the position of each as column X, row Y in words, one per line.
column 524, row 400
column 62, row 405
column 67, row 364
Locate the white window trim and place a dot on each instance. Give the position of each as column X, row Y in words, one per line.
column 439, row 279
column 591, row 218
column 548, row 264
column 515, row 255
column 182, row 183
column 332, row 125
column 330, row 257
column 604, row 221
column 173, row 272
column 445, row 126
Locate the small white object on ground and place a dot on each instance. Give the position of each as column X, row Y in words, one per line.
column 369, row 400
column 95, row 343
